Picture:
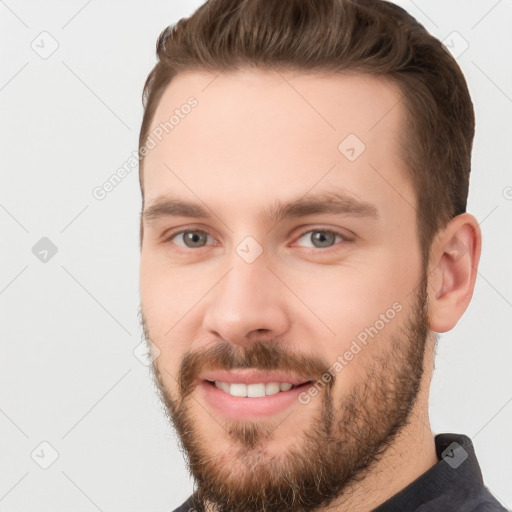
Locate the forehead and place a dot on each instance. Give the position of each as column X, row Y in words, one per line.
column 259, row 133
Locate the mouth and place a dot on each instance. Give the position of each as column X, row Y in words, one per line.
column 250, row 395
column 254, row 390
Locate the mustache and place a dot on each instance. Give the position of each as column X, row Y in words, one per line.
column 261, row 355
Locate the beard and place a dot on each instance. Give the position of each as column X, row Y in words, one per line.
column 343, row 441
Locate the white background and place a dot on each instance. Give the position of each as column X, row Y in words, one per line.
column 69, row 326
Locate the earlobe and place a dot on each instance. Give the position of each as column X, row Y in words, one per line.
column 453, row 268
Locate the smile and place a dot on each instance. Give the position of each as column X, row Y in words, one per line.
column 255, row 390
column 250, row 401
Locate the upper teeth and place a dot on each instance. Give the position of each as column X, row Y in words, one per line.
column 253, row 390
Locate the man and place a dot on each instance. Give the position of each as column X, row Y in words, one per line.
column 304, row 236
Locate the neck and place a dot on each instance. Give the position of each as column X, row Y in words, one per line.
column 412, row 454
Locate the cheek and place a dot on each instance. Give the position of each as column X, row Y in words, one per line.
column 165, row 305
column 361, row 308
column 164, row 297
column 348, row 299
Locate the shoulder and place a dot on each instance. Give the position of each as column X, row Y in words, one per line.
column 187, row 506
column 486, row 502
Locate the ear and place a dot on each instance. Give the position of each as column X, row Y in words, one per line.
column 453, row 265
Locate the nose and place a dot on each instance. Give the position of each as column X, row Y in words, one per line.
column 248, row 303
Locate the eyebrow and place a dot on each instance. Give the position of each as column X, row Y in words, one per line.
column 324, row 202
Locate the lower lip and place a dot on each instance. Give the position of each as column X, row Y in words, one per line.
column 237, row 407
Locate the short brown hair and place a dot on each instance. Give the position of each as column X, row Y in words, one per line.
column 363, row 36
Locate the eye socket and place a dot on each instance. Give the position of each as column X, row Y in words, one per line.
column 197, row 238
column 325, row 242
column 192, row 237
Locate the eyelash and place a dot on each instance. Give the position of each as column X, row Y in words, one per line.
column 316, row 249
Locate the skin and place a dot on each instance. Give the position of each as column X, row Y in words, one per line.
column 257, row 137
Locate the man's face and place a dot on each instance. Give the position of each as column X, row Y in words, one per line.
column 332, row 286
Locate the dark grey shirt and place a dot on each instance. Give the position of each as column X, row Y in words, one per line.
column 454, row 484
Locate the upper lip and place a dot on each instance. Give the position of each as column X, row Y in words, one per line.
column 252, row 377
